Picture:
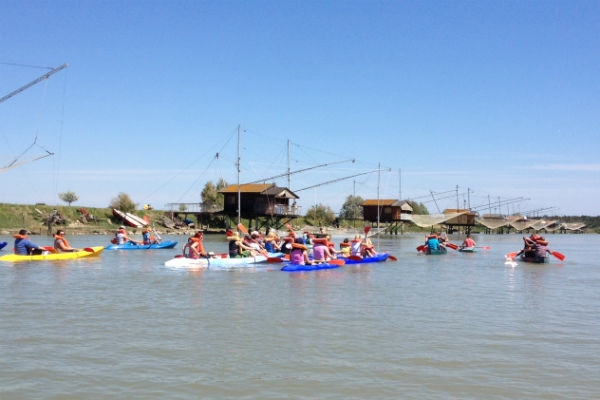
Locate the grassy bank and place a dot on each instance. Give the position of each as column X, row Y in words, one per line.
column 14, row 217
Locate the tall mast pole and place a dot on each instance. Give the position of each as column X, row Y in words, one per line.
column 378, row 183
column 400, row 183
column 457, row 205
column 289, row 169
column 239, row 193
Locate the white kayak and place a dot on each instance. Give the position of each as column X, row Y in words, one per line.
column 219, row 261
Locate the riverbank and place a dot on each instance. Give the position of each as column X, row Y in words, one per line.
column 75, row 220
column 100, row 221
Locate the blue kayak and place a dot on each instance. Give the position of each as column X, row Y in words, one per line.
column 166, row 244
column 308, row 267
column 363, row 260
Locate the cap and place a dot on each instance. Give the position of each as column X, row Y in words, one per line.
column 122, row 227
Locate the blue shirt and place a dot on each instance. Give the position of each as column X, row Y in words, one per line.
column 23, row 246
column 433, row 243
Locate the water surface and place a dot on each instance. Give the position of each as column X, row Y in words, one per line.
column 459, row 326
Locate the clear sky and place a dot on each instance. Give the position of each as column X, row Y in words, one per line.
column 465, row 102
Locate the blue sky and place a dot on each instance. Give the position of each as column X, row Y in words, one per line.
column 466, row 102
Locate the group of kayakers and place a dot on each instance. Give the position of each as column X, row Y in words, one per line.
column 303, row 249
column 24, row 246
column 534, row 246
column 122, row 237
column 434, row 241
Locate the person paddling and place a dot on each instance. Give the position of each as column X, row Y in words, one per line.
column 299, row 254
column 321, row 252
column 194, row 248
column 61, row 244
column 432, row 242
column 122, row 237
column 24, row 246
column 468, row 242
column 148, row 238
column 535, row 246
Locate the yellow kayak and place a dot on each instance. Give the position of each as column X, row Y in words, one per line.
column 47, row 255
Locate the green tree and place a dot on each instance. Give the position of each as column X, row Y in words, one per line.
column 418, row 208
column 320, row 215
column 352, row 208
column 123, row 203
column 211, row 198
column 68, row 197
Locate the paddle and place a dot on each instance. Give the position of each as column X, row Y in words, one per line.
column 290, row 229
column 367, row 229
column 391, row 257
column 512, row 255
column 242, row 228
column 50, row 249
column 422, row 248
column 274, row 260
column 451, row 245
column 558, row 255
column 355, row 258
column 483, row 247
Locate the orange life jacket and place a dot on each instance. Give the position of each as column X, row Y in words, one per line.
column 65, row 241
column 299, row 246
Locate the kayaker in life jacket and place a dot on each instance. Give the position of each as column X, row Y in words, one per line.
column 367, row 248
column 432, row 241
column 147, row 237
column 194, row 248
column 122, row 237
column 535, row 246
column 468, row 242
column 235, row 246
column 355, row 246
column 331, row 246
column 272, row 243
column 345, row 247
column 286, row 247
column 61, row 243
column 24, row 246
column 299, row 254
column 321, row 252
column 253, row 242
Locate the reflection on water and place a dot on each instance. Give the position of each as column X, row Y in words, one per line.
column 462, row 326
